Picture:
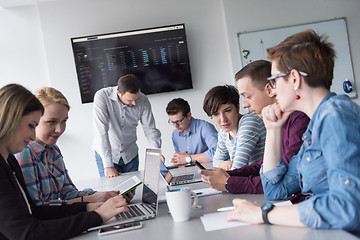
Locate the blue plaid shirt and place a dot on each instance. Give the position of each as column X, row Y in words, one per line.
column 46, row 176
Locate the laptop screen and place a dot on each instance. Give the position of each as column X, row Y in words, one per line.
column 151, row 176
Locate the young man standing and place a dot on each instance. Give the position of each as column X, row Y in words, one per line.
column 117, row 112
column 257, row 93
column 193, row 139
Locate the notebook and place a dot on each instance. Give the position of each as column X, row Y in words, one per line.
column 147, row 209
column 180, row 179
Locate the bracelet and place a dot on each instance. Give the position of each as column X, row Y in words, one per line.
column 82, row 198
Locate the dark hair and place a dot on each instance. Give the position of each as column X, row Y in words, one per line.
column 128, row 83
column 15, row 102
column 258, row 71
column 178, row 105
column 308, row 52
column 219, row 95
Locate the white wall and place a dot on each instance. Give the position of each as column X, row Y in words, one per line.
column 36, row 50
column 22, row 54
column 209, row 58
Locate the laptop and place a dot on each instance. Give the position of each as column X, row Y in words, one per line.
column 147, row 209
column 180, row 179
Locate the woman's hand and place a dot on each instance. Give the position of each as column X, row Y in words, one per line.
column 245, row 211
column 100, row 196
column 93, row 206
column 129, row 196
column 273, row 117
column 111, row 207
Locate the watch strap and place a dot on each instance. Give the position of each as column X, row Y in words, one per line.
column 266, row 208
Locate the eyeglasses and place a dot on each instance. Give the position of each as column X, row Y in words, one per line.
column 272, row 79
column 176, row 122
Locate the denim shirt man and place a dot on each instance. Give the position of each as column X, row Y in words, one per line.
column 326, row 167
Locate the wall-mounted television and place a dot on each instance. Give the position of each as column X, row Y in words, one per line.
column 157, row 56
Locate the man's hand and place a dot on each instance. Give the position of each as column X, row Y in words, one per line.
column 179, row 158
column 226, row 165
column 215, row 178
column 111, row 172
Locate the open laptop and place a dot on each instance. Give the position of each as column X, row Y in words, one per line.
column 147, row 209
column 180, row 179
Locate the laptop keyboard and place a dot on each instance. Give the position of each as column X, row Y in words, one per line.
column 135, row 211
column 183, row 178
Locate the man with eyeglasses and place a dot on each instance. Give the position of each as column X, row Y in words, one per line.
column 116, row 114
column 193, row 139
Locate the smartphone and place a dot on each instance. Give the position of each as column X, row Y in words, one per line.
column 120, row 228
column 128, row 185
column 199, row 165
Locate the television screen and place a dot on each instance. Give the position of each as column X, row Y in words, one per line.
column 157, row 56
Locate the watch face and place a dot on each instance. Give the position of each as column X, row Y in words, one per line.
column 266, row 206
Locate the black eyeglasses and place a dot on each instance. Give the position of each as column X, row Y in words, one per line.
column 176, row 122
column 272, row 79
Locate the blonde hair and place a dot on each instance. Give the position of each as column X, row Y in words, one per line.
column 15, row 102
column 49, row 95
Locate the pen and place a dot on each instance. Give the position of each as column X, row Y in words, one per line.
column 198, row 193
column 224, row 209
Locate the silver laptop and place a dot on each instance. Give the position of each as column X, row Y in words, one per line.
column 180, row 179
column 147, row 209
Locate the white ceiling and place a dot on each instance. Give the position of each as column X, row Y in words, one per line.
column 19, row 3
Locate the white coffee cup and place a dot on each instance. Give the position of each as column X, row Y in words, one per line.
column 180, row 203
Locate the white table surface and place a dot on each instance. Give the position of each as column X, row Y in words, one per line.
column 163, row 227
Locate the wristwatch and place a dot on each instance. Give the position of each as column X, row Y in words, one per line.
column 188, row 159
column 266, row 208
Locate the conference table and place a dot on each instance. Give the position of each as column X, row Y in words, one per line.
column 163, row 227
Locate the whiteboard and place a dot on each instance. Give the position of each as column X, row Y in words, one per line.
column 253, row 47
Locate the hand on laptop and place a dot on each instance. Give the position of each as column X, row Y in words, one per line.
column 93, row 206
column 111, row 207
column 111, row 172
column 215, row 178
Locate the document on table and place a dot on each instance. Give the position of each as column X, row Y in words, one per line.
column 216, row 221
